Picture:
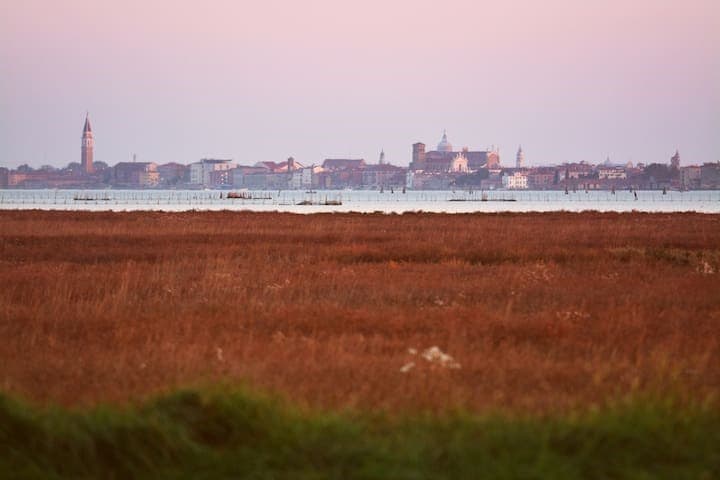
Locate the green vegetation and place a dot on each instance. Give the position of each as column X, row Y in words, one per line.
column 230, row 433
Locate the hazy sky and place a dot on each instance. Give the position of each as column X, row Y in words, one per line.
column 177, row 80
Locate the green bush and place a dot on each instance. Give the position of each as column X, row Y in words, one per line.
column 233, row 433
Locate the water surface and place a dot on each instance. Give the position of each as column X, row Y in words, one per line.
column 388, row 201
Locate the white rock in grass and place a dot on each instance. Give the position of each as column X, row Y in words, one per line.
column 705, row 268
column 436, row 356
column 407, row 367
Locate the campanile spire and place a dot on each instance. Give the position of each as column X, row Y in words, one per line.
column 88, row 145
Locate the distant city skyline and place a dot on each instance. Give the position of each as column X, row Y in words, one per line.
column 179, row 81
column 442, row 167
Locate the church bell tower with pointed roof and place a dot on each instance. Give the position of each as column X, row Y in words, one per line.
column 88, row 145
column 520, row 158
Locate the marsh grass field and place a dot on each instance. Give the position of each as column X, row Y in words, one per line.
column 566, row 345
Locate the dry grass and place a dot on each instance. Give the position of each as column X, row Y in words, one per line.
column 543, row 312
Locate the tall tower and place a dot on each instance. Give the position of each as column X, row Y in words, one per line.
column 86, row 150
column 382, row 157
column 520, row 158
column 675, row 161
column 418, row 156
column 291, row 164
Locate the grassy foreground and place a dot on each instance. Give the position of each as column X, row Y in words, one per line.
column 223, row 433
column 545, row 321
column 543, row 313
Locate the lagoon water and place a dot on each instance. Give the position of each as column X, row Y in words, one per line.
column 300, row 201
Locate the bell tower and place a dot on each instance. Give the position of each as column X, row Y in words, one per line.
column 88, row 145
column 520, row 158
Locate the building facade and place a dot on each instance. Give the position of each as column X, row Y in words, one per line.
column 173, row 173
column 710, row 175
column 200, row 172
column 690, row 177
column 515, row 181
column 443, row 158
column 136, row 174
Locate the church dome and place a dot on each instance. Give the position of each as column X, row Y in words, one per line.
column 444, row 145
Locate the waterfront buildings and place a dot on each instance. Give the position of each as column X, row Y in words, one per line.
column 383, row 175
column 338, row 164
column 252, row 177
column 517, row 180
column 576, row 171
column 611, row 172
column 691, row 177
column 201, row 172
column 136, row 175
column 173, row 173
column 710, row 175
column 543, row 178
column 441, row 168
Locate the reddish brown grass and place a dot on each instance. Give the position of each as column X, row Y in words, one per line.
column 544, row 312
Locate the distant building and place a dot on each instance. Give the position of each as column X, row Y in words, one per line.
column 442, row 158
column 274, row 175
column 292, row 165
column 274, row 167
column 515, row 181
column 675, row 161
column 265, row 180
column 4, row 174
column 87, row 147
column 383, row 175
column 493, row 158
column 340, row 173
column 249, row 177
column 332, row 164
column 542, row 178
column 611, row 173
column 421, row 180
column 459, row 164
column 493, row 181
column 520, row 158
column 173, row 173
column 16, row 178
column 303, row 177
column 200, row 172
column 221, row 178
column 574, row 171
column 51, row 179
column 418, row 157
column 136, row 175
column 690, row 177
column 710, row 175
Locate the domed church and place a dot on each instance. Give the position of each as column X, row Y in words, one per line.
column 444, row 159
column 444, row 145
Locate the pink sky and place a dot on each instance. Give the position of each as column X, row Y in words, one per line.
column 263, row 80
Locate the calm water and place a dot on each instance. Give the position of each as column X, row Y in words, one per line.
column 361, row 201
